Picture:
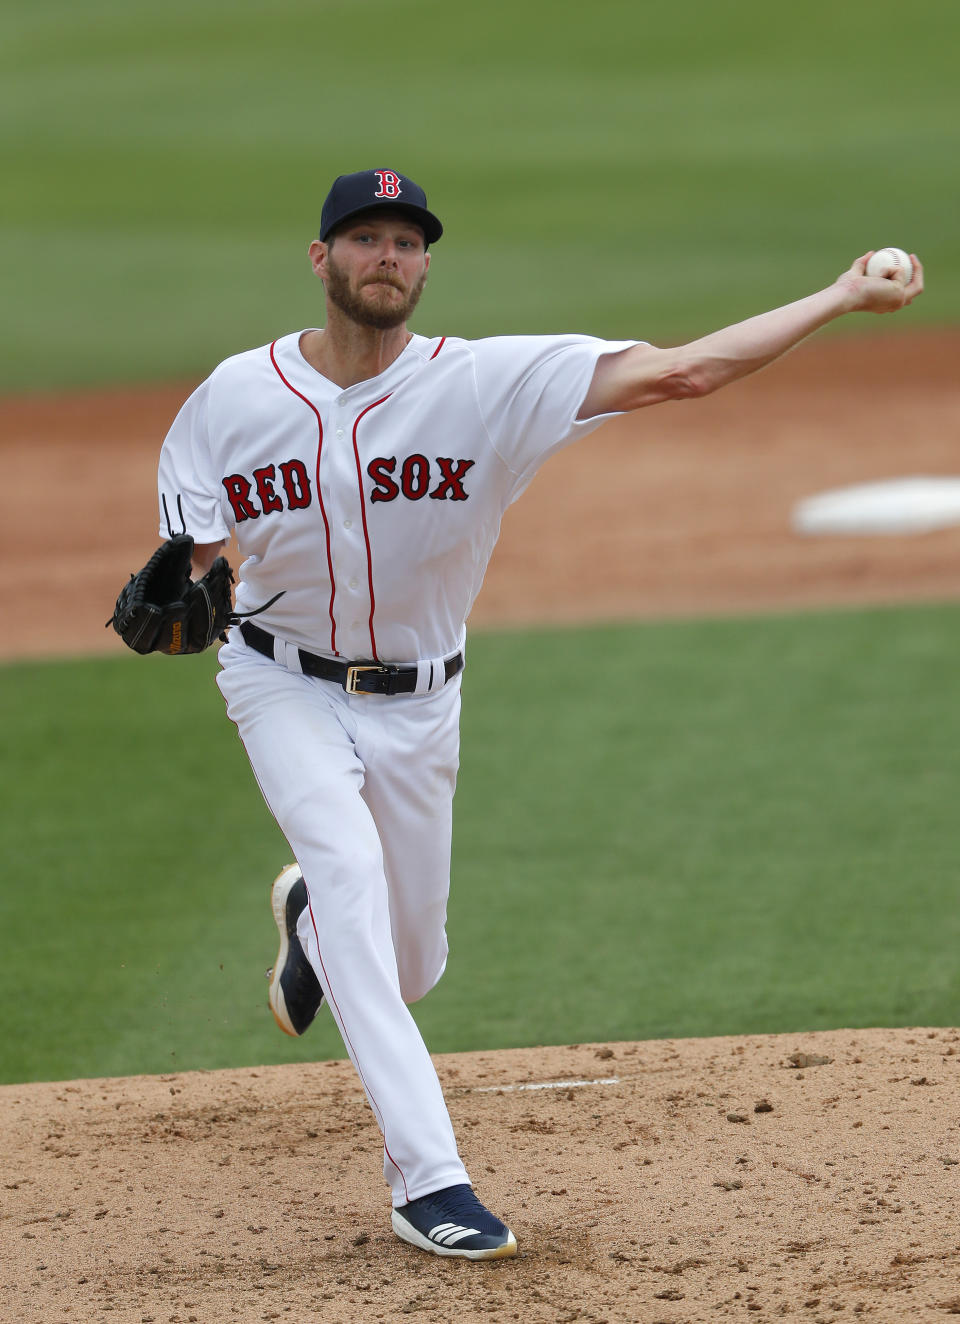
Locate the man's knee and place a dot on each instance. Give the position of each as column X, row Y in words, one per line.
column 416, row 980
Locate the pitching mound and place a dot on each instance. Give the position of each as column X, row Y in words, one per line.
column 688, row 1180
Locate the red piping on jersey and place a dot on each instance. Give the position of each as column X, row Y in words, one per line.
column 439, row 347
column 363, row 513
column 326, row 526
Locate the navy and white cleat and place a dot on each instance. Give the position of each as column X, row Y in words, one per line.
column 295, row 992
column 454, row 1222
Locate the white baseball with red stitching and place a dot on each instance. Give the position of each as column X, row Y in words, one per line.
column 893, row 264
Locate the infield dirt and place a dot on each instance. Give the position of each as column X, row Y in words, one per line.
column 666, row 1182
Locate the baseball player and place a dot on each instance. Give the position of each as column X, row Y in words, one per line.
column 364, row 470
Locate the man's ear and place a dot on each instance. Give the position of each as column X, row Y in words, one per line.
column 318, row 251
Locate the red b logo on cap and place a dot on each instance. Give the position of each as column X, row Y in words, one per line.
column 389, row 184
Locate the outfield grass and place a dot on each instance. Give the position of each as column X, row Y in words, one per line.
column 679, row 829
column 645, row 170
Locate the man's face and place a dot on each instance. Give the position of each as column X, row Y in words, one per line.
column 376, row 269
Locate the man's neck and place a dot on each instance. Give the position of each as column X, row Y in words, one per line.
column 346, row 352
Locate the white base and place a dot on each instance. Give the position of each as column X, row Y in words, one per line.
column 898, row 505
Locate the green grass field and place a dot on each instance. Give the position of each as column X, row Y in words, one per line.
column 747, row 826
column 646, row 170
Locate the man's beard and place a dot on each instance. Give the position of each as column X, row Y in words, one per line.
column 350, row 302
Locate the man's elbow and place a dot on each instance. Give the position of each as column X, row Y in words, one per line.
column 686, row 382
column 650, row 377
column 678, row 376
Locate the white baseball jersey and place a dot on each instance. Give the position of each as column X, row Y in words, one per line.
column 373, row 509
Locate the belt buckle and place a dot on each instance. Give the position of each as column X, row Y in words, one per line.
column 351, row 683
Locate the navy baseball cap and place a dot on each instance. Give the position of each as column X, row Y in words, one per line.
column 368, row 189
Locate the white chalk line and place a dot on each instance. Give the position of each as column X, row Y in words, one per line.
column 544, row 1085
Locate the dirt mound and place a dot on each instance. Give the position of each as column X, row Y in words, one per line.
column 690, row 1180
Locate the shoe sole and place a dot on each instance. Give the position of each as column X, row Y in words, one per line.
column 283, row 884
column 408, row 1233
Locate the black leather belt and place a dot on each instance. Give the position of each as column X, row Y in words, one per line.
column 355, row 677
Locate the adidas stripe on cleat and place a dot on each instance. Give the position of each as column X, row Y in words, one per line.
column 295, row 992
column 454, row 1222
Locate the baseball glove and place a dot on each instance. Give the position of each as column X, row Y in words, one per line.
column 161, row 610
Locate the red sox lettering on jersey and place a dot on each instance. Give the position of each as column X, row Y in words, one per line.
column 251, row 497
column 286, row 486
column 416, row 478
column 374, row 509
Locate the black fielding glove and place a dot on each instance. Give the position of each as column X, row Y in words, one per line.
column 160, row 610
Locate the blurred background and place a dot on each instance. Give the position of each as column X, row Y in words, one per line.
column 749, row 825
column 627, row 169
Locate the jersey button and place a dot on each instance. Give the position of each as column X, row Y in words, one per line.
column 348, row 523
column 339, row 432
column 354, row 583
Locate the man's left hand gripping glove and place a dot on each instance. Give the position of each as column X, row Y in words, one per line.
column 161, row 610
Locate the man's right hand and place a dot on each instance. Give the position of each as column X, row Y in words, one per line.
column 879, row 294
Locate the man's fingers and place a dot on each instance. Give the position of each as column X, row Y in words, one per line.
column 916, row 283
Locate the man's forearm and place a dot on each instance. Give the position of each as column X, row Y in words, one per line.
column 645, row 375
column 204, row 555
column 735, row 351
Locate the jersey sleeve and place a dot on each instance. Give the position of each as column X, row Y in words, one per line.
column 530, row 390
column 189, row 494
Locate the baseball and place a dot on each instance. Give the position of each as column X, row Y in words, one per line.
column 892, row 263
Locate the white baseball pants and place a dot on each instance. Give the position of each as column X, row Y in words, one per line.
column 362, row 788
